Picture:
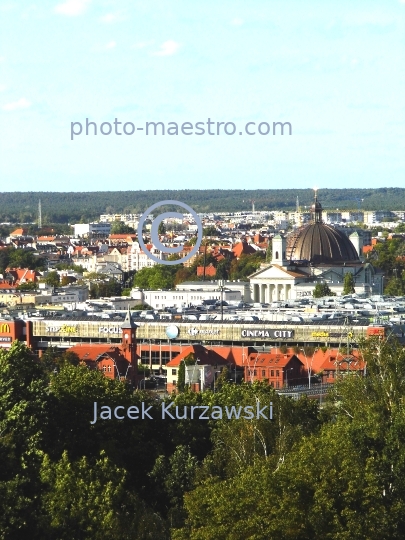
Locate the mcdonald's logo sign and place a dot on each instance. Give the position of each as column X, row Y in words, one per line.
column 4, row 328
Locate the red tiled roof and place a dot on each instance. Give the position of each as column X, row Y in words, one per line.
column 22, row 274
column 210, row 270
column 19, row 232
column 206, row 356
column 243, row 248
column 270, row 359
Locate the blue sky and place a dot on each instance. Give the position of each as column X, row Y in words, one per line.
column 334, row 69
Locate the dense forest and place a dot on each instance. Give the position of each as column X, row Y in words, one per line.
column 307, row 473
column 71, row 207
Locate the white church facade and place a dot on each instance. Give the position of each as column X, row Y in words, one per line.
column 315, row 253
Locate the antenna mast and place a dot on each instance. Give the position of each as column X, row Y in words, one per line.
column 39, row 215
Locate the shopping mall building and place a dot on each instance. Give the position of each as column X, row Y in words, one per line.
column 155, row 344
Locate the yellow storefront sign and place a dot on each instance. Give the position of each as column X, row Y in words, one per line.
column 4, row 328
column 320, row 334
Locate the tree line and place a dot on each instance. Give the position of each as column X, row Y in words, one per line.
column 308, row 473
column 57, row 207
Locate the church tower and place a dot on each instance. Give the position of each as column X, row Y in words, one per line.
column 316, row 209
column 128, row 344
column 279, row 245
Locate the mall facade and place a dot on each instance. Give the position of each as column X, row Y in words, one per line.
column 156, row 343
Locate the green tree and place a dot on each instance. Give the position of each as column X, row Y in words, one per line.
column 28, row 286
column 156, row 277
column 67, row 280
column 119, row 227
column 348, row 284
column 175, row 476
column 52, row 279
column 322, row 289
column 210, row 231
column 222, row 378
column 223, row 269
column 181, row 377
column 161, row 228
column 24, row 258
column 341, row 477
column 246, row 265
column 395, row 287
column 24, row 418
column 90, row 501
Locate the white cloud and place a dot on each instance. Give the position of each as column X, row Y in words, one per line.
column 112, row 18
column 237, row 22
column 2, row 87
column 111, row 45
column 71, row 8
column 22, row 103
column 168, row 48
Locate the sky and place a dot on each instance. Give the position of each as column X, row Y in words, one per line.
column 334, row 70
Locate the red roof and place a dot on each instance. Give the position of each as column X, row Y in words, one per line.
column 206, row 356
column 270, row 359
column 7, row 286
column 22, row 275
column 243, row 248
column 210, row 270
column 19, row 232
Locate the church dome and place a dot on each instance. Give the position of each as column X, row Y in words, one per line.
column 318, row 243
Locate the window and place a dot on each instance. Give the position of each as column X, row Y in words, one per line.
column 272, row 373
column 263, row 372
column 104, row 369
column 277, row 384
column 165, row 357
column 254, row 373
column 109, row 369
column 174, row 371
column 144, row 357
column 277, row 373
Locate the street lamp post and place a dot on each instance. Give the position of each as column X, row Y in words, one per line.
column 221, row 285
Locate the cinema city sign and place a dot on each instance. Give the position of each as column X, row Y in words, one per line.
column 267, row 333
